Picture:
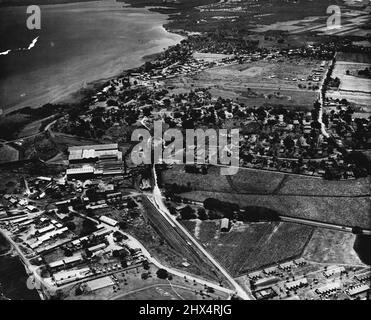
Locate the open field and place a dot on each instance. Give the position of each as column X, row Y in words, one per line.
column 353, row 22
column 250, row 181
column 251, row 246
column 8, row 153
column 350, row 82
column 344, row 211
column 130, row 285
column 340, row 202
column 353, row 88
column 163, row 292
column 257, row 83
column 330, row 246
column 308, row 186
column 362, row 101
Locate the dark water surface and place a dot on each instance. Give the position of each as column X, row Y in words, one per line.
column 78, row 43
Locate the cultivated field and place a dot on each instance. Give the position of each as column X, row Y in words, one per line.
column 251, row 246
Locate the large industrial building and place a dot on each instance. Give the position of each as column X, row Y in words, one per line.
column 87, row 162
column 94, row 153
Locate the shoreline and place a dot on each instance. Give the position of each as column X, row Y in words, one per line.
column 76, row 96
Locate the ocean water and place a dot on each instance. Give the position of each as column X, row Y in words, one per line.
column 78, row 43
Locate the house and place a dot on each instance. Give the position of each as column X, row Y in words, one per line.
column 98, row 247
column 100, row 283
column 109, row 221
column 225, row 225
column 93, row 153
column 293, row 285
column 84, row 172
column 31, row 208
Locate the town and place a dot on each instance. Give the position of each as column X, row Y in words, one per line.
column 292, row 223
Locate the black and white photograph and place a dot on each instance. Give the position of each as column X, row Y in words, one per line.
column 185, row 154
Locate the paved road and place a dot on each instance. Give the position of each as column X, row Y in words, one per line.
column 322, row 224
column 134, row 243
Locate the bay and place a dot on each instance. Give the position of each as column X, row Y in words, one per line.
column 78, row 43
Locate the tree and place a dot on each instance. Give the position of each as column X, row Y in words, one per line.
column 145, row 264
column 112, row 103
column 145, row 275
column 88, row 227
column 356, row 230
column 173, row 211
column 131, row 204
column 289, row 143
column 162, row 274
column 123, row 225
column 202, row 215
column 78, row 291
column 116, row 254
column 188, row 213
column 71, row 226
column 211, row 203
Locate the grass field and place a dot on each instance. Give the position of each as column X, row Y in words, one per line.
column 330, row 246
column 340, row 202
column 343, row 211
column 350, row 82
column 309, row 186
column 163, row 293
column 355, row 89
column 132, row 286
column 263, row 78
column 250, row 246
column 248, row 181
column 31, row 128
column 8, row 153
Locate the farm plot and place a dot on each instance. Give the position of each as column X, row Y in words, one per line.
column 254, row 245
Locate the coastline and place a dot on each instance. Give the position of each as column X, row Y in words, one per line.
column 77, row 94
column 94, row 85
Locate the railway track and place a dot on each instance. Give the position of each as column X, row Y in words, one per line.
column 172, row 236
